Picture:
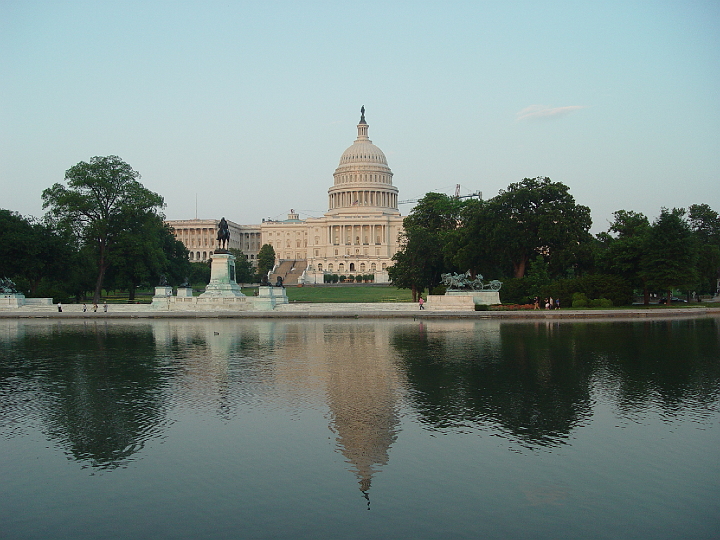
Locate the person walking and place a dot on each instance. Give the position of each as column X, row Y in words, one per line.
column 105, row 307
column 422, row 303
column 84, row 308
column 59, row 307
column 94, row 308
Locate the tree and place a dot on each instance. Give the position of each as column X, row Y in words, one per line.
column 265, row 260
column 531, row 217
column 146, row 250
column 427, row 232
column 705, row 224
column 32, row 252
column 670, row 255
column 624, row 248
column 99, row 197
column 244, row 271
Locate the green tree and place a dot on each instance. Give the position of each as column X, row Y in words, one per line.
column 33, row 252
column 670, row 255
column 537, row 277
column 265, row 260
column 624, row 247
column 531, row 217
column 95, row 205
column 705, row 224
column 244, row 271
column 146, row 250
column 427, row 232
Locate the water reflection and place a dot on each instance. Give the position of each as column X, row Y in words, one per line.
column 535, row 382
column 97, row 389
column 101, row 390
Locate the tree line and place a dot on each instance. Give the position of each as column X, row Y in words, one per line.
column 536, row 239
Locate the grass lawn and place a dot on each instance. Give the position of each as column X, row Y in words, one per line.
column 345, row 293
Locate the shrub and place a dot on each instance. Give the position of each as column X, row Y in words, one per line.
column 579, row 300
column 438, row 290
column 515, row 291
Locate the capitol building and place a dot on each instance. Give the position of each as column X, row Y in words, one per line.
column 357, row 235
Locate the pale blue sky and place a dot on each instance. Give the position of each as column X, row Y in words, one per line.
column 249, row 105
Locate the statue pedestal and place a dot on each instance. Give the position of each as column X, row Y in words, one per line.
column 13, row 300
column 462, row 300
column 163, row 291
column 269, row 297
column 222, row 278
column 184, row 292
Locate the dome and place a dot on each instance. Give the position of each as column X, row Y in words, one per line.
column 363, row 179
column 363, row 151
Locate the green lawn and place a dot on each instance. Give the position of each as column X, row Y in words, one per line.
column 345, row 293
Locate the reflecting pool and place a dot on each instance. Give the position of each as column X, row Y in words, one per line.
column 359, row 429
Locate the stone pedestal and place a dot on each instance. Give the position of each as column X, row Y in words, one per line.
column 184, row 292
column 269, row 297
column 462, row 300
column 13, row 300
column 163, row 291
column 222, row 278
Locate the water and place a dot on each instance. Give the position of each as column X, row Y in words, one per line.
column 362, row 429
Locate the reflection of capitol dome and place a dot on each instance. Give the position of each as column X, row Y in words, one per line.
column 363, row 179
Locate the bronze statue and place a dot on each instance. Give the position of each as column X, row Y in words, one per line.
column 223, row 234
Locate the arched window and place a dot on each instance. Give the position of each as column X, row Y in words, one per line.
column 341, row 267
column 192, row 256
column 330, row 267
column 319, row 267
column 384, row 265
column 373, row 266
column 362, row 267
column 204, row 255
column 352, row 267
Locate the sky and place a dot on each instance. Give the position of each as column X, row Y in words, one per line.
column 243, row 109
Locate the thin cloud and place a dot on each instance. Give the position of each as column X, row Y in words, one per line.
column 537, row 112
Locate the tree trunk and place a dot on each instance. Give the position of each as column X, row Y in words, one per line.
column 669, row 297
column 131, row 293
column 99, row 284
column 646, row 295
column 519, row 267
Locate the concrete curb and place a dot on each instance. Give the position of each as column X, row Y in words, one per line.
column 327, row 312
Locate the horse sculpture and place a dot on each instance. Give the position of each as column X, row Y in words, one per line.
column 223, row 234
column 459, row 282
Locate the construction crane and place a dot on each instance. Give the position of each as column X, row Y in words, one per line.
column 457, row 195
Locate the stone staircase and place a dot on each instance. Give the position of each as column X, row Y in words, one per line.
column 290, row 271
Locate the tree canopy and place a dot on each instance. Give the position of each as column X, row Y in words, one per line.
column 102, row 201
column 265, row 260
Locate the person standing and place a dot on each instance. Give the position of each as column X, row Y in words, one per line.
column 59, row 307
column 105, row 307
column 422, row 303
column 84, row 308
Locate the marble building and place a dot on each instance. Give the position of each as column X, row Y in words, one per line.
column 357, row 235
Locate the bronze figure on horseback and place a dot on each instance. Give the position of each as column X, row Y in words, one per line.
column 223, row 234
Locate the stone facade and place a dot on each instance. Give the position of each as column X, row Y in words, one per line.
column 200, row 237
column 357, row 235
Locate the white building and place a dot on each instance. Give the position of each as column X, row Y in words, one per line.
column 357, row 235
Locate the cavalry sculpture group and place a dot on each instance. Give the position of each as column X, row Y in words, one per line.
column 464, row 282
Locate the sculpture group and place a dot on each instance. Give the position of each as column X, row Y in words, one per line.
column 464, row 282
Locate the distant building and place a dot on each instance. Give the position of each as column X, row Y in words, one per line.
column 357, row 235
column 200, row 237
